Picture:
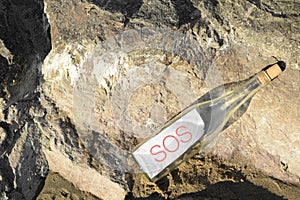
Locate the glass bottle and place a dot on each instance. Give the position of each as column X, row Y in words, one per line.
column 196, row 127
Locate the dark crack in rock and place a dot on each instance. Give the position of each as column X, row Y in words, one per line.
column 25, row 42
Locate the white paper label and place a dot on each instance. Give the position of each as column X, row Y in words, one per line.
column 164, row 148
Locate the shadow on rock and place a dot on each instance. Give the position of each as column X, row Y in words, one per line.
column 186, row 12
column 232, row 190
column 154, row 196
column 25, row 42
column 25, row 32
column 222, row 190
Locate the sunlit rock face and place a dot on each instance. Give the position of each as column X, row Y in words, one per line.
column 84, row 82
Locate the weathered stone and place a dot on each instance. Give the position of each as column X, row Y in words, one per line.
column 83, row 177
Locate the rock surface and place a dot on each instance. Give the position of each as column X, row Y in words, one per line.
column 83, row 82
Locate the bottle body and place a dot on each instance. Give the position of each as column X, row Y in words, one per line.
column 194, row 129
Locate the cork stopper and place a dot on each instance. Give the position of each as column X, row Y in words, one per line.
column 274, row 70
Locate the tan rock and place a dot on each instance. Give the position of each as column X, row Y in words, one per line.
column 83, row 177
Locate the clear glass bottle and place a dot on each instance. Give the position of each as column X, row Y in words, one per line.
column 196, row 128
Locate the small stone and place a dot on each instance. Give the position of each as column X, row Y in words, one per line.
column 2, row 135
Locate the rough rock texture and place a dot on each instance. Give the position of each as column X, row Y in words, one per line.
column 24, row 44
column 83, row 82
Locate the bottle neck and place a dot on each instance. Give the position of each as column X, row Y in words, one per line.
column 239, row 96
